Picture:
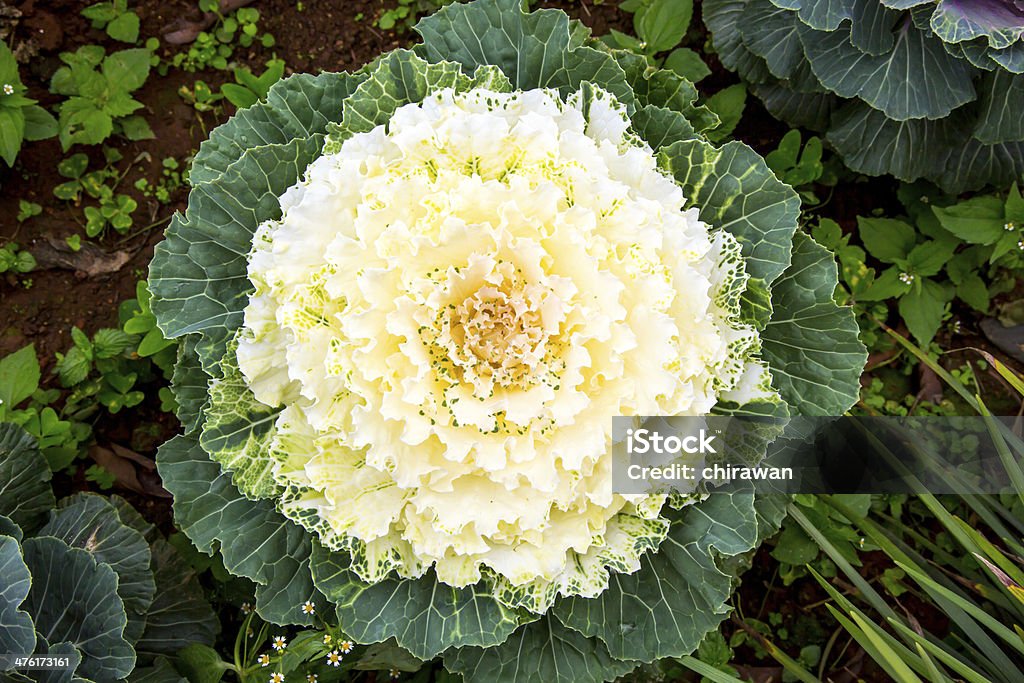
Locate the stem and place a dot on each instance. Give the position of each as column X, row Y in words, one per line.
column 147, row 228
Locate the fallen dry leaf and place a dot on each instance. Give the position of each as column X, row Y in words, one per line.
column 89, row 261
column 131, row 470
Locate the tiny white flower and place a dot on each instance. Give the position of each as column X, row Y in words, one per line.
column 8, row 89
column 1009, row 226
column 393, row 674
column 346, row 646
column 246, row 608
column 308, row 607
column 279, row 643
column 906, row 278
column 334, row 658
column 264, row 659
column 276, row 678
column 327, row 638
column 1020, row 244
column 311, row 678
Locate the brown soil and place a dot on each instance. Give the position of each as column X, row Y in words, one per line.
column 41, row 307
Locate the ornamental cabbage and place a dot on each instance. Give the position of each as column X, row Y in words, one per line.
column 87, row 579
column 411, row 298
column 913, row 88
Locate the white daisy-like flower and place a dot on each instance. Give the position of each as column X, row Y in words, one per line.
column 394, row 674
column 1009, row 226
column 449, row 310
column 279, row 643
column 8, row 89
column 308, row 607
column 906, row 278
column 1020, row 244
column 346, row 646
column 264, row 659
column 276, row 678
column 246, row 608
column 327, row 638
column 334, row 658
column 312, row 678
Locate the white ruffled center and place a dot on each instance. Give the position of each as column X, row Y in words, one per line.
column 453, row 307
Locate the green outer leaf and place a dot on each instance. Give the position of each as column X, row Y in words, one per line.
column 25, row 493
column 956, row 23
column 871, row 143
column 974, row 165
column 894, row 82
column 862, row 60
column 872, row 29
column 544, row 650
column 735, row 190
column 1002, row 102
column 90, row 522
column 161, row 671
column 660, row 127
column 1011, row 59
column 98, row 620
column 17, row 632
column 665, row 89
column 180, row 614
column 679, row 592
column 810, row 110
column 535, row 50
column 388, row 655
column 64, row 649
column 255, row 540
column 772, row 33
column 298, row 106
column 723, row 18
column 423, row 615
column 189, row 384
column 237, row 431
column 198, row 275
column 399, row 78
column 9, row 528
column 811, row 344
column 823, row 15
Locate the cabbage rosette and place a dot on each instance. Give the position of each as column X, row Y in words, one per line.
column 411, row 298
column 913, row 88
